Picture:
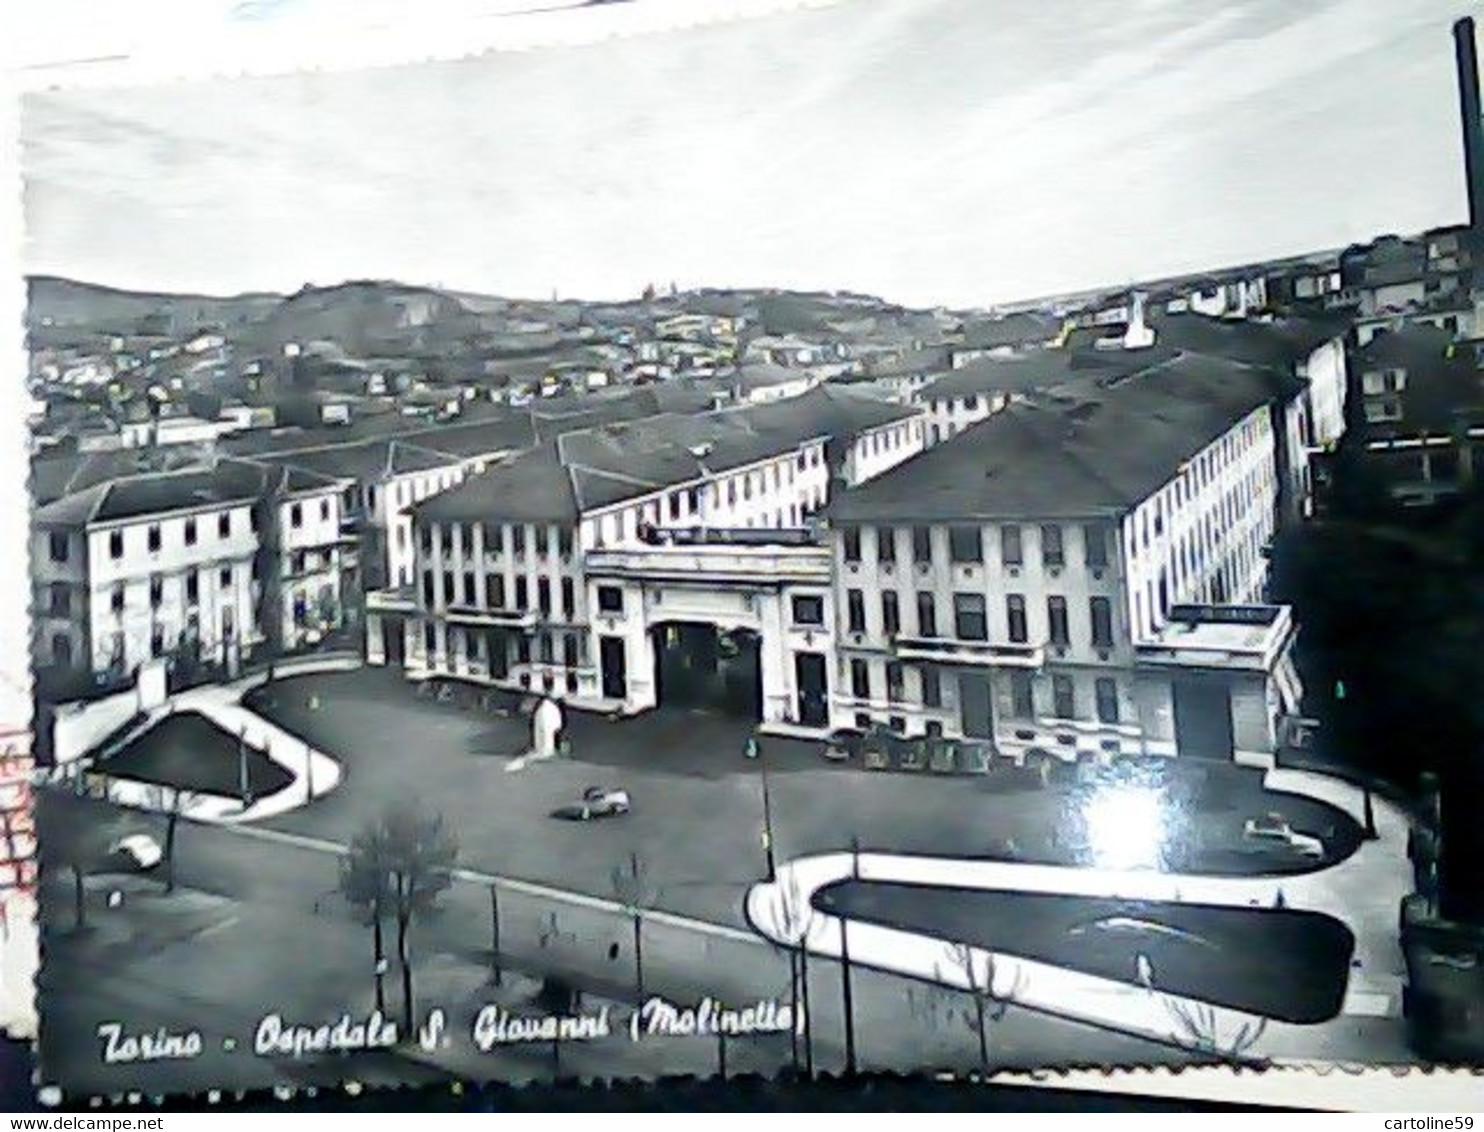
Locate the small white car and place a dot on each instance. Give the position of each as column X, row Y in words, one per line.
column 1273, row 830
column 139, row 852
column 597, row 802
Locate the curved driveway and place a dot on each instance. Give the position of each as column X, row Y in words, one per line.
column 1363, row 891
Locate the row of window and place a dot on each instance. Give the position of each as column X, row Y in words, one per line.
column 891, row 438
column 497, row 536
column 966, row 544
column 154, row 538
column 1022, row 690
column 494, row 647
column 495, row 593
column 970, row 618
column 61, row 601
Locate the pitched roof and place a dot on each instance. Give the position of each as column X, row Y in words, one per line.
column 1021, row 329
column 1040, row 370
column 161, row 493
column 1094, row 447
column 594, row 468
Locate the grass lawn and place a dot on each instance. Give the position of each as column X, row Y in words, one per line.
column 1281, row 963
column 188, row 751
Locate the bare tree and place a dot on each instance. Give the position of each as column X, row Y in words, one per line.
column 989, row 994
column 794, row 922
column 401, row 863
column 1198, row 1028
column 631, row 889
column 172, row 802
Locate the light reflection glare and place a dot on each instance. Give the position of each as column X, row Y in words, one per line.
column 1125, row 826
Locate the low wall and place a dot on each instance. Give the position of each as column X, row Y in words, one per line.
column 79, row 727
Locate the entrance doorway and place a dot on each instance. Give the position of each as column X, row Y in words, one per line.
column 976, row 706
column 391, row 640
column 1203, row 718
column 614, row 661
column 698, row 665
column 813, row 688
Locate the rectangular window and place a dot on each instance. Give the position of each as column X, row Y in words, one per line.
column 927, row 615
column 808, row 610
column 61, row 600
column 494, row 539
column 1107, row 695
column 564, row 542
column 886, row 544
column 1101, row 611
column 1015, row 618
column 518, row 539
column 932, row 688
column 449, row 597
column 57, row 544
column 296, row 515
column 523, row 649
column 116, row 544
column 610, row 599
column 543, row 596
column 969, row 622
column 922, row 544
column 1022, row 697
column 1056, row 621
column 860, row 679
column 1096, row 542
column 224, row 525
column 965, row 544
column 429, row 593
column 569, row 598
column 156, row 592
column 895, row 685
column 1063, row 701
column 193, row 588
column 190, row 532
column 1010, row 551
column 521, row 594
column 852, row 540
column 224, row 576
column 540, row 540
column 569, row 650
column 324, row 510
column 1051, row 546
column 545, row 650
column 855, row 611
column 469, row 594
column 891, row 614
column 494, row 591
column 116, row 599
column 152, row 537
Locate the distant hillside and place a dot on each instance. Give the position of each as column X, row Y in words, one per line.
column 69, row 303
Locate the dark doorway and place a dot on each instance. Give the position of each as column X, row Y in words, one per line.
column 614, row 661
column 497, row 648
column 699, row 666
column 813, row 688
column 1203, row 718
column 975, row 705
column 391, row 637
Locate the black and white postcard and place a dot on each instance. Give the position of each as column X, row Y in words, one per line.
column 901, row 535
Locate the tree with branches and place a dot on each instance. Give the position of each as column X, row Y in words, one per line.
column 632, row 890
column 80, row 844
column 399, row 865
column 793, row 922
column 989, row 995
column 173, row 802
column 1199, row 1029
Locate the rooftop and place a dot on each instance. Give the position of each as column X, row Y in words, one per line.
column 1096, row 446
column 1021, row 329
column 597, row 467
column 161, row 493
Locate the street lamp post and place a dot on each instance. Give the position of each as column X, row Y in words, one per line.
column 754, row 751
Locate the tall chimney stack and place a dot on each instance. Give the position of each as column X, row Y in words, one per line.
column 1473, row 121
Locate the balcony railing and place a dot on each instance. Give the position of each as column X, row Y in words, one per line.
column 726, row 562
column 994, row 654
column 496, row 618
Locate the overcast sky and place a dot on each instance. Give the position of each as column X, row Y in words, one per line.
column 958, row 152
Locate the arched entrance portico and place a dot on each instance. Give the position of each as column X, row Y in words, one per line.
column 698, row 665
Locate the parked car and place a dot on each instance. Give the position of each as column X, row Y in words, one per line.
column 1273, row 831
column 136, row 853
column 597, row 802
